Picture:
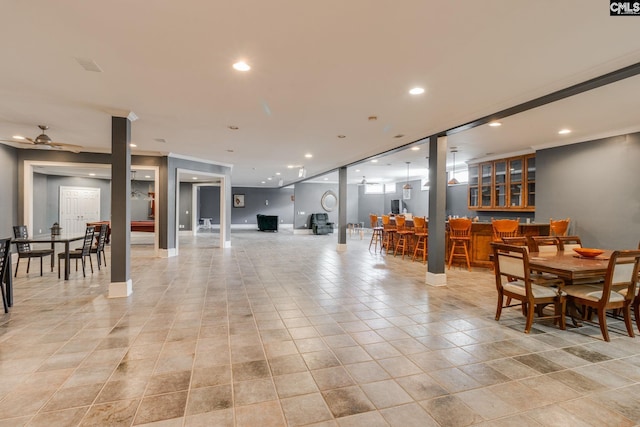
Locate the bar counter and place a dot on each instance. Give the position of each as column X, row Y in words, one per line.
column 482, row 235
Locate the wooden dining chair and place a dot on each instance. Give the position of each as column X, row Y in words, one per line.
column 505, row 228
column 5, row 251
column 422, row 234
column 516, row 241
column 568, row 243
column 26, row 251
column 513, row 281
column 617, row 292
column 376, row 236
column 559, row 227
column 80, row 253
column 544, row 244
column 459, row 240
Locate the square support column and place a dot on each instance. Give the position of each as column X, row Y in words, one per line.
column 436, row 275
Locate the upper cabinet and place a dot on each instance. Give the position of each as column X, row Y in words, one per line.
column 505, row 184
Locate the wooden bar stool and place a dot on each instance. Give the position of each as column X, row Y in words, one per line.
column 460, row 239
column 389, row 232
column 505, row 228
column 404, row 236
column 558, row 227
column 420, row 229
column 376, row 237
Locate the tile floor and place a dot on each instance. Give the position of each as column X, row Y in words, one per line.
column 283, row 330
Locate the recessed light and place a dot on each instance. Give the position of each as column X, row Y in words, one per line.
column 18, row 137
column 357, row 170
column 262, row 182
column 92, row 174
column 234, row 127
column 241, row 66
column 308, row 155
column 564, row 131
column 372, row 118
column 132, row 145
column 229, row 151
column 342, row 136
column 495, row 124
column 195, row 177
column 415, row 148
column 416, row 91
column 277, row 173
column 374, row 161
column 269, row 178
column 290, row 166
column 147, row 176
column 326, row 179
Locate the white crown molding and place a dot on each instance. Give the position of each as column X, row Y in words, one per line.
column 199, row 160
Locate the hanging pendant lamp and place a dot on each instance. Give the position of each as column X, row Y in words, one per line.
column 453, row 180
column 406, row 188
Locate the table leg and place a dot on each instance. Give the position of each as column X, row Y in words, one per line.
column 67, row 261
column 53, row 248
column 8, row 283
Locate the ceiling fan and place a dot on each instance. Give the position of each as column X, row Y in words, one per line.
column 44, row 141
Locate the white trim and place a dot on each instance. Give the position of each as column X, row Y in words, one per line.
column 342, row 247
column 302, row 231
column 167, row 253
column 120, row 289
column 227, row 244
column 433, row 279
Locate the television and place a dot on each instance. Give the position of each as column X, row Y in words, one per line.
column 396, row 206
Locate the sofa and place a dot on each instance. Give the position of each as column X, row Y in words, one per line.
column 267, row 222
column 320, row 223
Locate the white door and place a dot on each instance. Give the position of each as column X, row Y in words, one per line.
column 78, row 205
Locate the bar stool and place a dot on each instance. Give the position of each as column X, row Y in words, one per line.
column 404, row 236
column 460, row 239
column 420, row 228
column 504, row 228
column 376, row 237
column 388, row 232
column 558, row 227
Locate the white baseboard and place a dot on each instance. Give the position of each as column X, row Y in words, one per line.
column 342, row 247
column 302, row 231
column 434, row 279
column 120, row 289
column 167, row 253
column 227, row 244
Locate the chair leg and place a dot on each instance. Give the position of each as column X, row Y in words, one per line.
column 18, row 265
column 602, row 320
column 499, row 308
column 104, row 257
column 28, row 264
column 41, row 266
column 91, row 263
column 626, row 310
column 4, row 298
column 561, row 306
column 466, row 255
column 83, row 272
column 453, row 248
column 531, row 309
column 636, row 307
column 98, row 257
column 59, row 267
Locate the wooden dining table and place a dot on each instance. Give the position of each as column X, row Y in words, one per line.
column 569, row 266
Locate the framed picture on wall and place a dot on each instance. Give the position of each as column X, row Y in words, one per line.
column 238, row 200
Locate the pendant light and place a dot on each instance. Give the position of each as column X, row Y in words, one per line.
column 406, row 189
column 453, row 180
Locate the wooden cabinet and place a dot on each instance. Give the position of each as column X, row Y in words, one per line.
column 503, row 185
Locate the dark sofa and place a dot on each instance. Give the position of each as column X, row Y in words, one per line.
column 267, row 222
column 320, row 223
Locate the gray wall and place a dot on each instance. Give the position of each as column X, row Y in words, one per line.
column 140, row 208
column 46, row 209
column 280, row 204
column 308, row 197
column 597, row 185
column 209, row 203
column 185, row 214
column 380, row 204
column 8, row 190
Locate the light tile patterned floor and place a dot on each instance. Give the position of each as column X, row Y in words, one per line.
column 283, row 330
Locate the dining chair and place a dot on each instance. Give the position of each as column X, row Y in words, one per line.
column 98, row 248
column 504, row 228
column 389, row 231
column 568, row 243
column 422, row 234
column 80, row 253
column 5, row 251
column 513, row 281
column 26, row 251
column 460, row 240
column 544, row 244
column 376, row 237
column 404, row 236
column 516, row 241
column 617, row 291
column 558, row 227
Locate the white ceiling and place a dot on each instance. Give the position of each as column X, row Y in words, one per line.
column 318, row 71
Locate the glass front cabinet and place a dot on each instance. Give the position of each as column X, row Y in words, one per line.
column 504, row 184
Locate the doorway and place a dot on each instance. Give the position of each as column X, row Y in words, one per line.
column 78, row 205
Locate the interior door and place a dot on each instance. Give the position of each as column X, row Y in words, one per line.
column 78, row 205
